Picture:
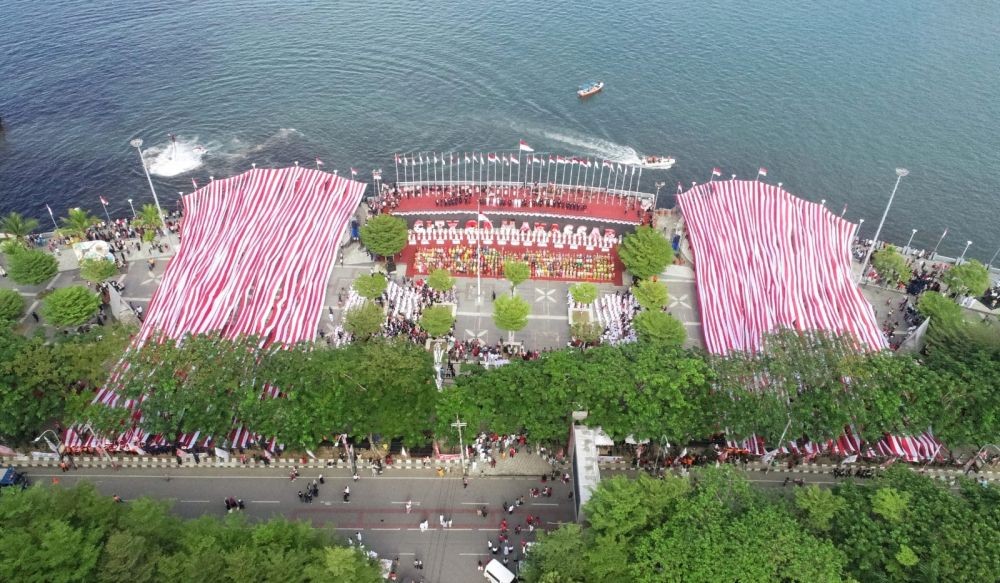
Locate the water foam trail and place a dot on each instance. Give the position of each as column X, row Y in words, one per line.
column 174, row 158
column 598, row 147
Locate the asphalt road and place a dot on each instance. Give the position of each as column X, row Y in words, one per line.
column 376, row 508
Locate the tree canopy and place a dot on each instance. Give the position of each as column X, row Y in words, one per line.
column 149, row 217
column 77, row 221
column 31, row 267
column 890, row 265
column 364, row 321
column 70, row 306
column 440, row 280
column 17, row 226
column 97, row 270
column 660, row 327
column 78, row 535
column 651, row 294
column 583, row 292
column 646, row 252
column 11, row 305
column 970, row 278
column 510, row 313
column 370, row 286
column 516, row 272
column 384, row 235
column 437, row 320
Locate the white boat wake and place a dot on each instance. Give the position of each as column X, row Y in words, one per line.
column 598, row 147
column 176, row 157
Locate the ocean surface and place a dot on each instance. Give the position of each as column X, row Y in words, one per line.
column 830, row 97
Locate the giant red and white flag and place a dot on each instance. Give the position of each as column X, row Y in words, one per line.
column 524, row 147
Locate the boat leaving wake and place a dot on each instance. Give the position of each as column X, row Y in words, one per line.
column 176, row 157
column 599, row 148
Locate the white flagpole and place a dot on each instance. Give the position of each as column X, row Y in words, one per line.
column 56, row 225
column 639, row 180
column 479, row 255
column 397, row 168
column 519, row 165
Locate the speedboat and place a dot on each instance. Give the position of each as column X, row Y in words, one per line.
column 658, row 162
column 590, row 88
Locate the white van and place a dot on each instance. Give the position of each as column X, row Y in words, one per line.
column 497, row 573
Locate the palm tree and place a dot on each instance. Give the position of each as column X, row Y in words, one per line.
column 17, row 226
column 78, row 221
column 148, row 217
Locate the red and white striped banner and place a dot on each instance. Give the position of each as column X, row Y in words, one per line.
column 767, row 260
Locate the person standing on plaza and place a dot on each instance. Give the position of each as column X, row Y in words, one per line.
column 347, row 493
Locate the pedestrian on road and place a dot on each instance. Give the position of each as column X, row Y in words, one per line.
column 347, row 493
column 480, row 566
column 418, row 564
column 301, row 499
column 424, row 526
column 443, row 523
column 356, row 477
column 409, row 506
column 357, row 535
column 321, row 480
column 3, row 272
column 34, row 315
column 465, row 482
column 449, row 523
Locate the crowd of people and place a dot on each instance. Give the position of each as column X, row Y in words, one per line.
column 492, row 197
column 614, row 313
column 544, row 264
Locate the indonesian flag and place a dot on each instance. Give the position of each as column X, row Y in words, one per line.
column 435, row 158
column 552, row 159
column 716, row 171
column 319, row 162
column 195, row 184
column 397, row 159
column 762, row 171
column 481, row 218
column 377, row 174
column 607, row 164
column 541, row 160
column 574, row 160
column 354, row 172
column 680, row 187
column 467, row 159
column 104, row 201
column 524, row 147
column 618, row 168
column 514, row 160
column 492, row 157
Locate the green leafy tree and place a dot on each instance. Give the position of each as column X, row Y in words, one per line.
column 77, row 221
column 661, row 327
column 17, row 226
column 818, row 506
column 70, row 306
column 437, row 320
column 890, row 265
column 651, row 295
column 646, row 252
column 516, row 272
column 11, row 305
column 942, row 310
column 149, row 217
column 97, row 270
column 970, row 278
column 582, row 329
column 510, row 313
column 364, row 321
column 384, row 235
column 370, row 286
column 440, row 280
column 583, row 293
column 32, row 267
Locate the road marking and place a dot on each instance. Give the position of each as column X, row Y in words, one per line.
column 385, row 529
column 195, row 501
column 266, row 501
column 471, row 554
column 415, row 503
column 285, row 478
column 543, row 504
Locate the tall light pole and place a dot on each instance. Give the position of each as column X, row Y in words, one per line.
column 912, row 233
column 460, row 424
column 857, row 232
column 900, row 173
column 656, row 199
column 137, row 144
column 934, row 252
column 131, row 206
column 992, row 259
column 962, row 258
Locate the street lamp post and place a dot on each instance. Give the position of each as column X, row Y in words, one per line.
column 137, row 144
column 656, row 198
column 131, row 206
column 460, row 424
column 857, row 232
column 912, row 233
column 992, row 259
column 54, row 448
column 962, row 258
column 900, row 173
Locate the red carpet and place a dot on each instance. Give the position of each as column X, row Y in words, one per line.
column 554, row 265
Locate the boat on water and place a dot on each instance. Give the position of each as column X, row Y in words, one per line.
column 588, row 89
column 658, row 162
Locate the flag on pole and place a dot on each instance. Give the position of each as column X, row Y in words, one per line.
column 514, row 160
column 397, row 158
column 104, row 201
column 482, row 218
column 716, row 171
column 762, row 171
column 680, row 187
column 354, row 172
column 320, row 162
column 492, row 157
column 467, row 160
column 524, row 147
column 607, row 164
